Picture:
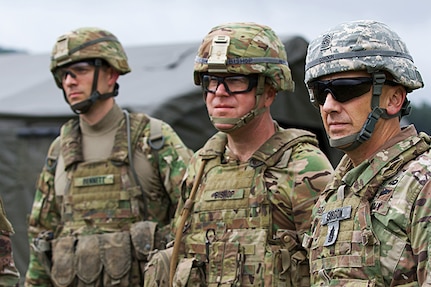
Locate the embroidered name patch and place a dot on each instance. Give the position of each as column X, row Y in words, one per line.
column 94, row 180
column 332, row 218
column 224, row 194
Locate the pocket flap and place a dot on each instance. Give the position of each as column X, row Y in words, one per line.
column 62, row 272
column 116, row 253
column 87, row 259
column 183, row 272
column 143, row 234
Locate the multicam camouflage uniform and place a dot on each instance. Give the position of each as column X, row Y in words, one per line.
column 249, row 218
column 371, row 224
column 92, row 224
column 87, row 209
column 9, row 275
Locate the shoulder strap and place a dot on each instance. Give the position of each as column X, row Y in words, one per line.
column 156, row 139
column 52, row 156
column 269, row 153
column 131, row 164
column 283, row 140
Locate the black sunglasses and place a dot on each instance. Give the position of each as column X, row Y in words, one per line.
column 342, row 89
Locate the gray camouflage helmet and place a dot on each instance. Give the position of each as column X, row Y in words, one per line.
column 362, row 45
column 89, row 43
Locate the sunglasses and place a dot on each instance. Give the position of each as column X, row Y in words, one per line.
column 342, row 89
column 77, row 69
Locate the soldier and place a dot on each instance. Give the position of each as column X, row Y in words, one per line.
column 248, row 192
column 108, row 192
column 9, row 275
column 371, row 225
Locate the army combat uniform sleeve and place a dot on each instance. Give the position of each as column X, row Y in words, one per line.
column 420, row 235
column 298, row 187
column 171, row 162
column 44, row 216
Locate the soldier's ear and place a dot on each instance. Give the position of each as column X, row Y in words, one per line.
column 396, row 96
column 269, row 95
column 113, row 75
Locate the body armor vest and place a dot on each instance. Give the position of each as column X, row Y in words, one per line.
column 231, row 241
column 102, row 238
column 101, row 196
column 344, row 248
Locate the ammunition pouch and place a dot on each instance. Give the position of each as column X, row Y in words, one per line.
column 156, row 272
column 292, row 259
column 245, row 258
column 108, row 259
column 63, row 271
column 91, row 260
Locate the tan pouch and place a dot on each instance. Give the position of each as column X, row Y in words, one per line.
column 224, row 264
column 300, row 269
column 87, row 260
column 182, row 274
column 116, row 255
column 142, row 234
column 157, row 270
column 239, row 257
column 63, row 271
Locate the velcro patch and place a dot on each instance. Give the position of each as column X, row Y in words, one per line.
column 94, row 180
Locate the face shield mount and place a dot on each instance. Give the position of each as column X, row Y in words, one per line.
column 218, row 54
column 62, row 54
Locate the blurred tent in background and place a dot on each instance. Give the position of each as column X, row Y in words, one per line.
column 32, row 110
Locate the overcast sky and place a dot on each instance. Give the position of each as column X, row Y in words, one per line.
column 33, row 26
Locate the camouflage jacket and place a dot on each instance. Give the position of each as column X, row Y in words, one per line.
column 9, row 275
column 265, row 199
column 371, row 225
column 161, row 196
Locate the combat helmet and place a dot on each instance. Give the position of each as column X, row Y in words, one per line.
column 244, row 48
column 363, row 45
column 89, row 43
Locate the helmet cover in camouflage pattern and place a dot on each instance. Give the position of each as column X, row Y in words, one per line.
column 362, row 45
column 253, row 49
column 89, row 43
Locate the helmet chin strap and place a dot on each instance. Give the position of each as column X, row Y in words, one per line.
column 353, row 141
column 85, row 105
column 240, row 122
